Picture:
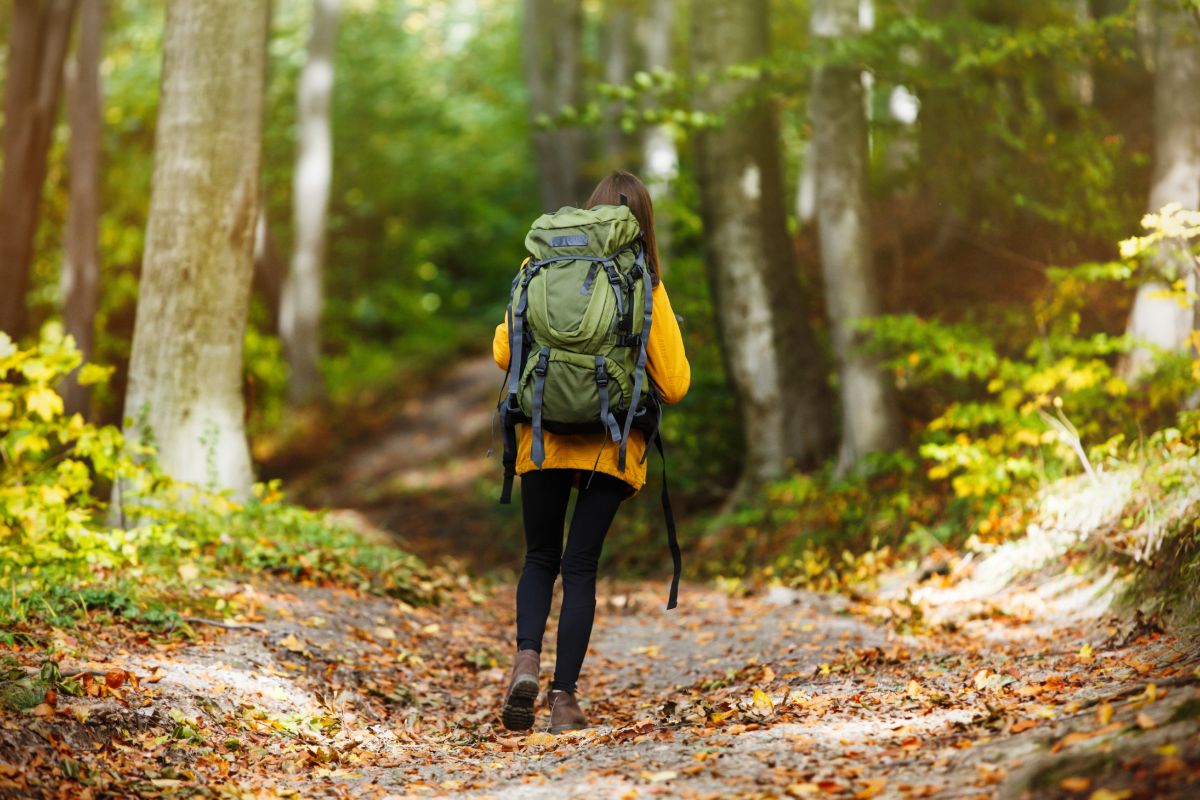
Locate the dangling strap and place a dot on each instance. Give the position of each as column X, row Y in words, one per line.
column 606, row 416
column 509, row 458
column 538, row 451
column 640, row 371
column 516, row 340
column 672, row 536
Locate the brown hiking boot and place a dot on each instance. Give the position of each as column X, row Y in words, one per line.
column 522, row 691
column 565, row 714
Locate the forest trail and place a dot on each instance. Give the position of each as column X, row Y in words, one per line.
column 330, row 692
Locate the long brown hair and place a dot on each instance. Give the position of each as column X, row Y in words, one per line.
column 608, row 193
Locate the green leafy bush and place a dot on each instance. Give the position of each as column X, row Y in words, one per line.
column 58, row 550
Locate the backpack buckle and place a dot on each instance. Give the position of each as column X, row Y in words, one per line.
column 540, row 367
column 601, row 375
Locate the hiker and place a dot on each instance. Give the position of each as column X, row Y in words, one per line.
column 605, row 466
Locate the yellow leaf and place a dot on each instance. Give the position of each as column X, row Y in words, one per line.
column 1109, row 794
column 44, row 402
column 1075, row 784
column 91, row 374
column 1104, row 713
column 914, row 689
column 1085, row 653
column 1145, row 721
column 803, row 789
column 293, row 643
column 871, row 788
column 541, row 739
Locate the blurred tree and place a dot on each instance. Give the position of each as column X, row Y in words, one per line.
column 618, row 56
column 185, row 372
column 771, row 354
column 552, row 46
column 660, row 156
column 1158, row 319
column 81, row 270
column 300, row 311
column 870, row 422
column 39, row 33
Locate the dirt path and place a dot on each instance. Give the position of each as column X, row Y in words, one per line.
column 333, row 693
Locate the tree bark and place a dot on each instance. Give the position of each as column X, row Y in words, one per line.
column 300, row 311
column 772, row 357
column 870, row 421
column 185, row 372
column 618, row 71
column 38, row 38
column 1157, row 321
column 81, row 272
column 660, row 156
column 551, row 41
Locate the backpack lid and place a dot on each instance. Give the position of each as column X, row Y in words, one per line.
column 599, row 231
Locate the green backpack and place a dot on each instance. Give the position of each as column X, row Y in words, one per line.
column 579, row 319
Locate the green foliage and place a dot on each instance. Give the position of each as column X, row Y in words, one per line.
column 59, row 555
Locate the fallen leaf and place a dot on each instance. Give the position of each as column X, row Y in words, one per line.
column 871, row 788
column 659, row 777
column 293, row 643
column 1145, row 721
column 114, row 678
column 541, row 739
column 1077, row 784
column 1104, row 713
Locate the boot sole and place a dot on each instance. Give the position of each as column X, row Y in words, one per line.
column 519, row 705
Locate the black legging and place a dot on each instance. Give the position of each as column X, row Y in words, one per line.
column 544, row 497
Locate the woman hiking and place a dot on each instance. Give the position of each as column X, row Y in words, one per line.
column 591, row 464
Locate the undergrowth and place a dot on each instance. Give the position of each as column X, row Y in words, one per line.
column 61, row 558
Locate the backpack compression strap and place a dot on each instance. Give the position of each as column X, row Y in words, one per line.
column 672, row 536
column 538, row 449
column 640, row 371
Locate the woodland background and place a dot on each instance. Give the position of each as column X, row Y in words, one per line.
column 891, row 229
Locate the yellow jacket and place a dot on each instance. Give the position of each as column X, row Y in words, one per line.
column 667, row 366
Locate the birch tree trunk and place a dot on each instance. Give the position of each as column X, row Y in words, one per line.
column 81, row 272
column 774, row 363
column 1157, row 321
column 300, row 310
column 38, row 37
column 185, row 372
column 551, row 41
column 870, row 422
column 660, row 156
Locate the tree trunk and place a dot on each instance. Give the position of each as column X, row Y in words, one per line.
column 38, row 37
column 618, row 71
column 300, row 311
column 551, row 41
column 660, row 156
column 81, row 272
column 185, row 372
column 1159, row 321
column 772, row 357
column 870, row 422
column 270, row 271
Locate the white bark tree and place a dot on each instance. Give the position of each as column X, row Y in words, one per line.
column 185, row 372
column 1157, row 321
column 660, row 155
column 870, row 421
column 39, row 33
column 81, row 271
column 551, row 42
column 772, row 358
column 302, row 301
